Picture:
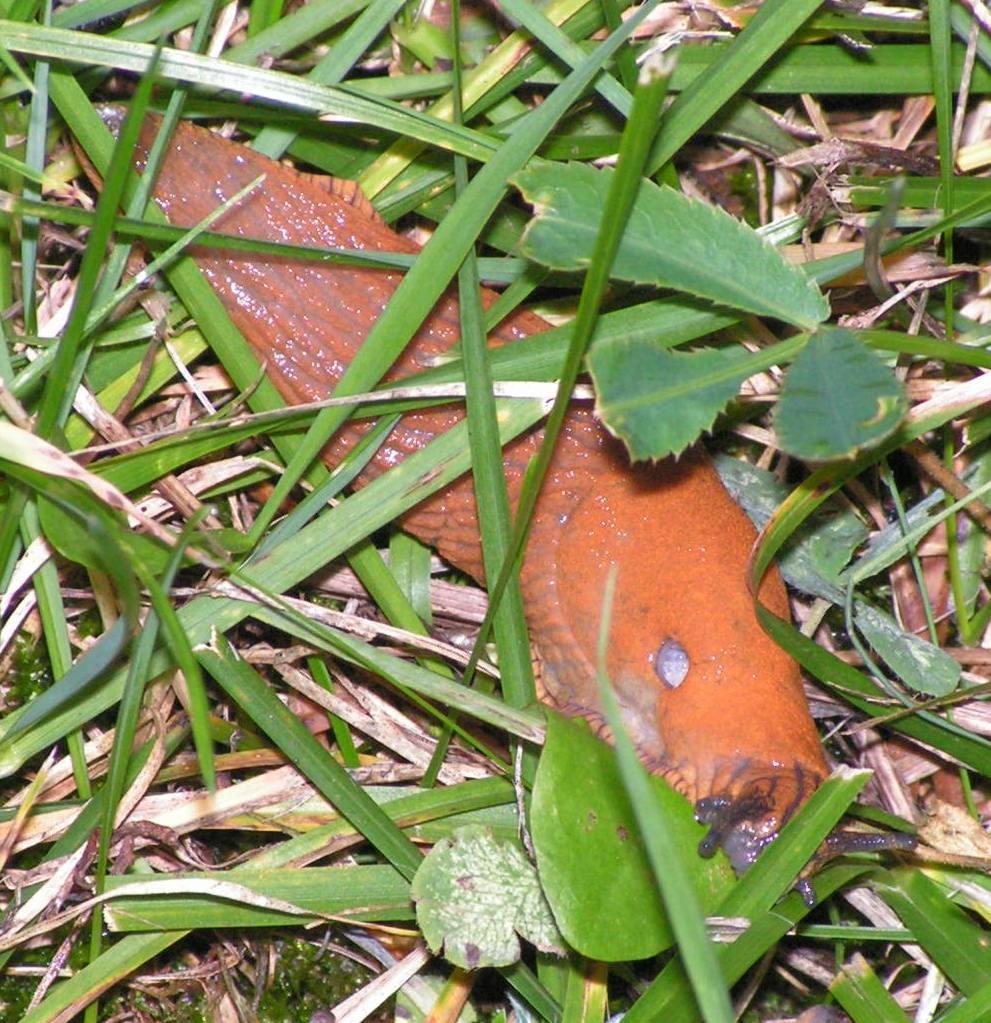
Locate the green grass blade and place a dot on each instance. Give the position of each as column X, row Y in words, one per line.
column 954, row 939
column 673, row 881
column 87, row 984
column 769, row 30
column 420, row 289
column 859, row 990
column 253, row 694
column 491, row 496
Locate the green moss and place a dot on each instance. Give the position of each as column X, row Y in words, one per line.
column 30, row 673
column 15, row 993
column 131, row 1004
column 308, row 978
column 744, row 184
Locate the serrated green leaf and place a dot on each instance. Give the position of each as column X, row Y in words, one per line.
column 671, row 241
column 656, row 401
column 919, row 664
column 475, row 894
column 591, row 860
column 837, row 399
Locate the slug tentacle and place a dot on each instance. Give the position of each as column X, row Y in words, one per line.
column 744, row 818
column 723, row 715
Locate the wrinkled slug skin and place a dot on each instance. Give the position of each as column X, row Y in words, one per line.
column 736, row 731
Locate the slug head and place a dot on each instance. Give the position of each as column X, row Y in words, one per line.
column 711, row 702
column 743, row 820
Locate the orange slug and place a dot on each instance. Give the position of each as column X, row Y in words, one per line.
column 712, row 703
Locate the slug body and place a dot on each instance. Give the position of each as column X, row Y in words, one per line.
column 712, row 703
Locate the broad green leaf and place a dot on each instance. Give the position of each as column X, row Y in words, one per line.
column 671, row 241
column 476, row 895
column 920, row 665
column 837, row 399
column 592, row 864
column 657, row 401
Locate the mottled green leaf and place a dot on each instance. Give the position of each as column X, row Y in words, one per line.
column 476, row 895
column 671, row 241
column 838, row 398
